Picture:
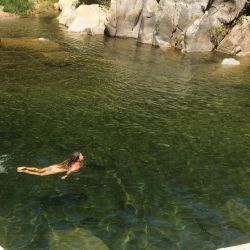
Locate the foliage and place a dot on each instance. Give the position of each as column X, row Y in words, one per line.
column 17, row 6
column 24, row 6
column 218, row 32
column 101, row 2
column 241, row 19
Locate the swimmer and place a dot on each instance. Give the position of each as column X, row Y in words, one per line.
column 73, row 164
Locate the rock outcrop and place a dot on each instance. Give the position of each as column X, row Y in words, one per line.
column 191, row 25
column 237, row 42
column 87, row 19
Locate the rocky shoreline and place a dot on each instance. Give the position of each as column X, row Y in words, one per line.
column 188, row 25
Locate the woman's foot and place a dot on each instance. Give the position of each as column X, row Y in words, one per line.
column 21, row 169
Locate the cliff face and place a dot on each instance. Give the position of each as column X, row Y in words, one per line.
column 190, row 25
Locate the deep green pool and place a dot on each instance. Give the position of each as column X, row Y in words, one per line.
column 166, row 138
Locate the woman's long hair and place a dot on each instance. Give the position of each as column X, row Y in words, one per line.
column 71, row 160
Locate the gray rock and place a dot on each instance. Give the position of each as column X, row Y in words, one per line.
column 197, row 37
column 239, row 247
column 230, row 62
column 237, row 42
column 148, row 22
column 212, row 25
column 124, row 18
column 75, row 239
column 89, row 19
column 174, row 17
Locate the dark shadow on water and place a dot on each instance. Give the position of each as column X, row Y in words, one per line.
column 70, row 199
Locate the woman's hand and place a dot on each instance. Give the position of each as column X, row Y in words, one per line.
column 64, row 177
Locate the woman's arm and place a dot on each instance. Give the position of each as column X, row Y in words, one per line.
column 71, row 170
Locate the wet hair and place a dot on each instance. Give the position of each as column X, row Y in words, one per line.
column 71, row 160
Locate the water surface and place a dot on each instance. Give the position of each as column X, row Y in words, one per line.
column 166, row 138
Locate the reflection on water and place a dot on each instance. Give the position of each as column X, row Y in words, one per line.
column 165, row 135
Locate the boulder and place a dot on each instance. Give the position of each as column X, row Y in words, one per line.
column 212, row 25
column 239, row 247
column 197, row 38
column 230, row 62
column 148, row 22
column 225, row 12
column 89, row 19
column 237, row 42
column 124, row 18
column 173, row 19
column 67, row 16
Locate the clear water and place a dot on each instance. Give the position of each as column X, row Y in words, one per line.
column 166, row 138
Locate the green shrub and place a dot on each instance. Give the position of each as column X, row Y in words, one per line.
column 217, row 33
column 17, row 6
column 101, row 2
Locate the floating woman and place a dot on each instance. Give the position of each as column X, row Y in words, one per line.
column 73, row 164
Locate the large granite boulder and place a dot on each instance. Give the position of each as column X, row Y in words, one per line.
column 208, row 31
column 237, row 42
column 148, row 21
column 191, row 25
column 198, row 37
column 173, row 19
column 67, row 16
column 89, row 19
column 124, row 18
column 161, row 24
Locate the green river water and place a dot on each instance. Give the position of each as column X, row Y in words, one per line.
column 166, row 138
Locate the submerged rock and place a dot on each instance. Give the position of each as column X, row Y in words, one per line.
column 37, row 44
column 75, row 239
column 237, row 42
column 230, row 62
column 48, row 51
column 57, row 58
column 239, row 215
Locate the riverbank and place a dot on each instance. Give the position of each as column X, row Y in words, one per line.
column 25, row 7
column 189, row 26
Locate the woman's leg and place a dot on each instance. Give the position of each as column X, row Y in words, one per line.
column 32, row 170
column 54, row 169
